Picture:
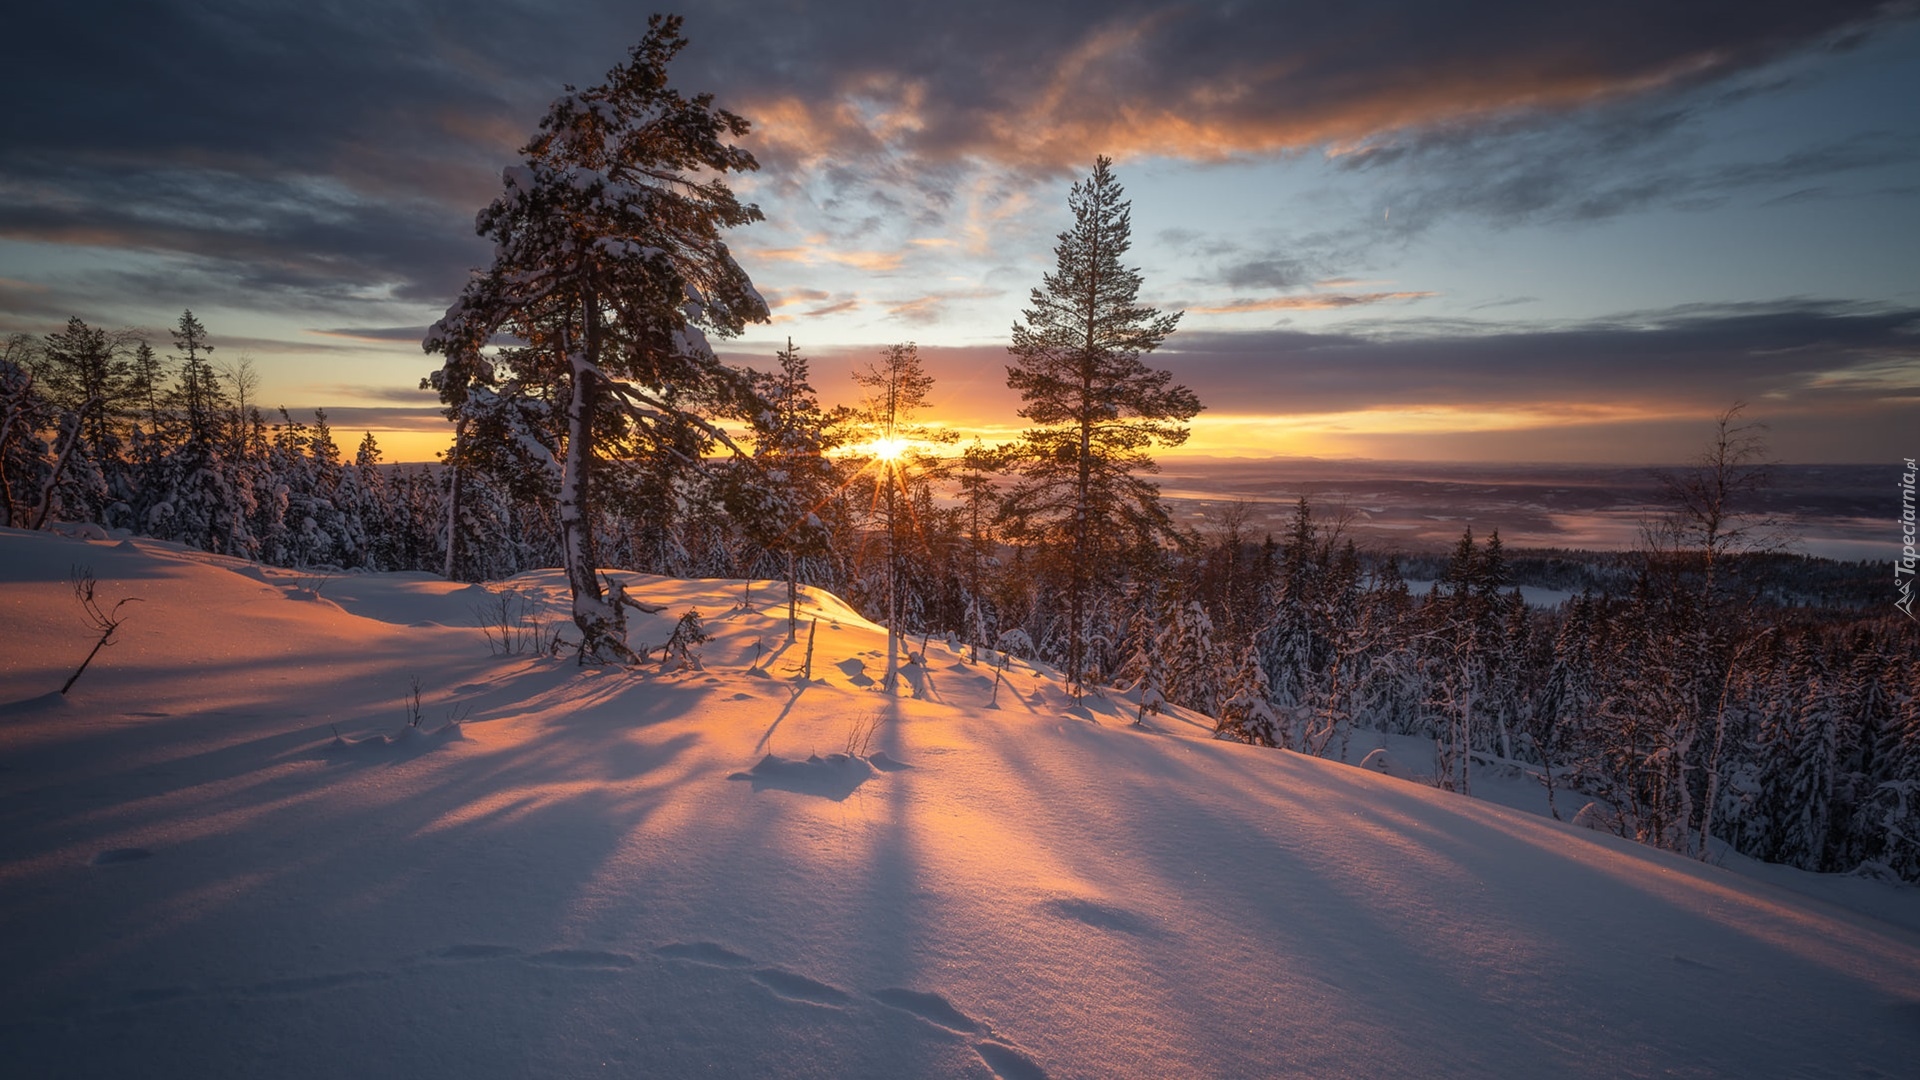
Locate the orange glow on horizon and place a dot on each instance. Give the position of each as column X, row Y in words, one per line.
column 1382, row 432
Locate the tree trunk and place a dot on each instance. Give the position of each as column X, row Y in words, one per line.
column 453, row 497
column 891, row 681
column 600, row 638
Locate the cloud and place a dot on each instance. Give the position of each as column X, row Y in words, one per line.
column 308, row 150
column 409, row 395
column 1837, row 382
column 817, row 250
column 411, row 334
column 26, row 305
column 932, row 307
column 1218, row 81
column 836, row 308
column 287, row 240
column 347, row 418
column 1796, row 355
column 1266, row 273
column 779, row 298
column 1310, row 302
column 1604, row 165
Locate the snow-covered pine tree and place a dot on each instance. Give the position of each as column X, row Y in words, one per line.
column 1390, row 693
column 85, row 371
column 202, row 499
column 1247, row 714
column 1805, row 775
column 1342, row 624
column 1893, row 809
column 609, row 260
column 365, row 493
column 1456, row 618
column 1192, row 661
column 1701, row 622
column 895, row 389
column 505, row 440
column 978, row 498
column 195, row 400
column 1289, row 645
column 1095, row 407
column 1568, row 694
column 779, row 502
column 25, row 458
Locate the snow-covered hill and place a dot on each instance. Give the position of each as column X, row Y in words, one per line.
column 226, row 853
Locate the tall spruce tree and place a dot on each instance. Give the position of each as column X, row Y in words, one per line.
column 896, row 388
column 87, row 372
column 1095, row 407
column 778, row 503
column 196, row 399
column 610, row 265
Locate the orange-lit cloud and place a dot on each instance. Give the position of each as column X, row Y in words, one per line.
column 932, row 306
column 1128, row 87
column 817, row 250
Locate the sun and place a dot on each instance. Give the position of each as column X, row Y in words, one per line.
column 888, row 450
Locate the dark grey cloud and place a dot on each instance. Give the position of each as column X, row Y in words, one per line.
column 1605, row 165
column 307, row 239
column 293, row 149
column 377, row 333
column 345, row 420
column 1267, row 273
column 1791, row 355
column 407, row 395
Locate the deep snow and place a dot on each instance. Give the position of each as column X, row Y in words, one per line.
column 225, row 853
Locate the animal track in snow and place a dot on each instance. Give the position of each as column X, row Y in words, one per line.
column 309, row 984
column 930, row 1007
column 581, row 958
column 703, row 952
column 473, row 952
column 797, row 987
column 1008, row 1063
column 1000, row 1057
column 1097, row 914
column 942, row 1018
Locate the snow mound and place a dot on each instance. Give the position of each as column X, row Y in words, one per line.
column 411, row 738
column 1385, row 764
column 835, row 776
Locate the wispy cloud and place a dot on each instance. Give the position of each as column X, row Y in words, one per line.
column 1798, row 354
column 375, row 333
column 1309, row 302
column 851, row 303
column 817, row 250
column 932, row 306
column 1211, row 83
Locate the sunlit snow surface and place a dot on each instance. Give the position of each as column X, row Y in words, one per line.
column 226, row 853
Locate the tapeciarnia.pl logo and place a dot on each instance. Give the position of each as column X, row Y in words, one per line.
column 1903, row 567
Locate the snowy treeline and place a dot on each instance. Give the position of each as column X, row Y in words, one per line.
column 1792, row 734
column 95, row 426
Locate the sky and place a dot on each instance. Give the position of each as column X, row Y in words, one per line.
column 1473, row 231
